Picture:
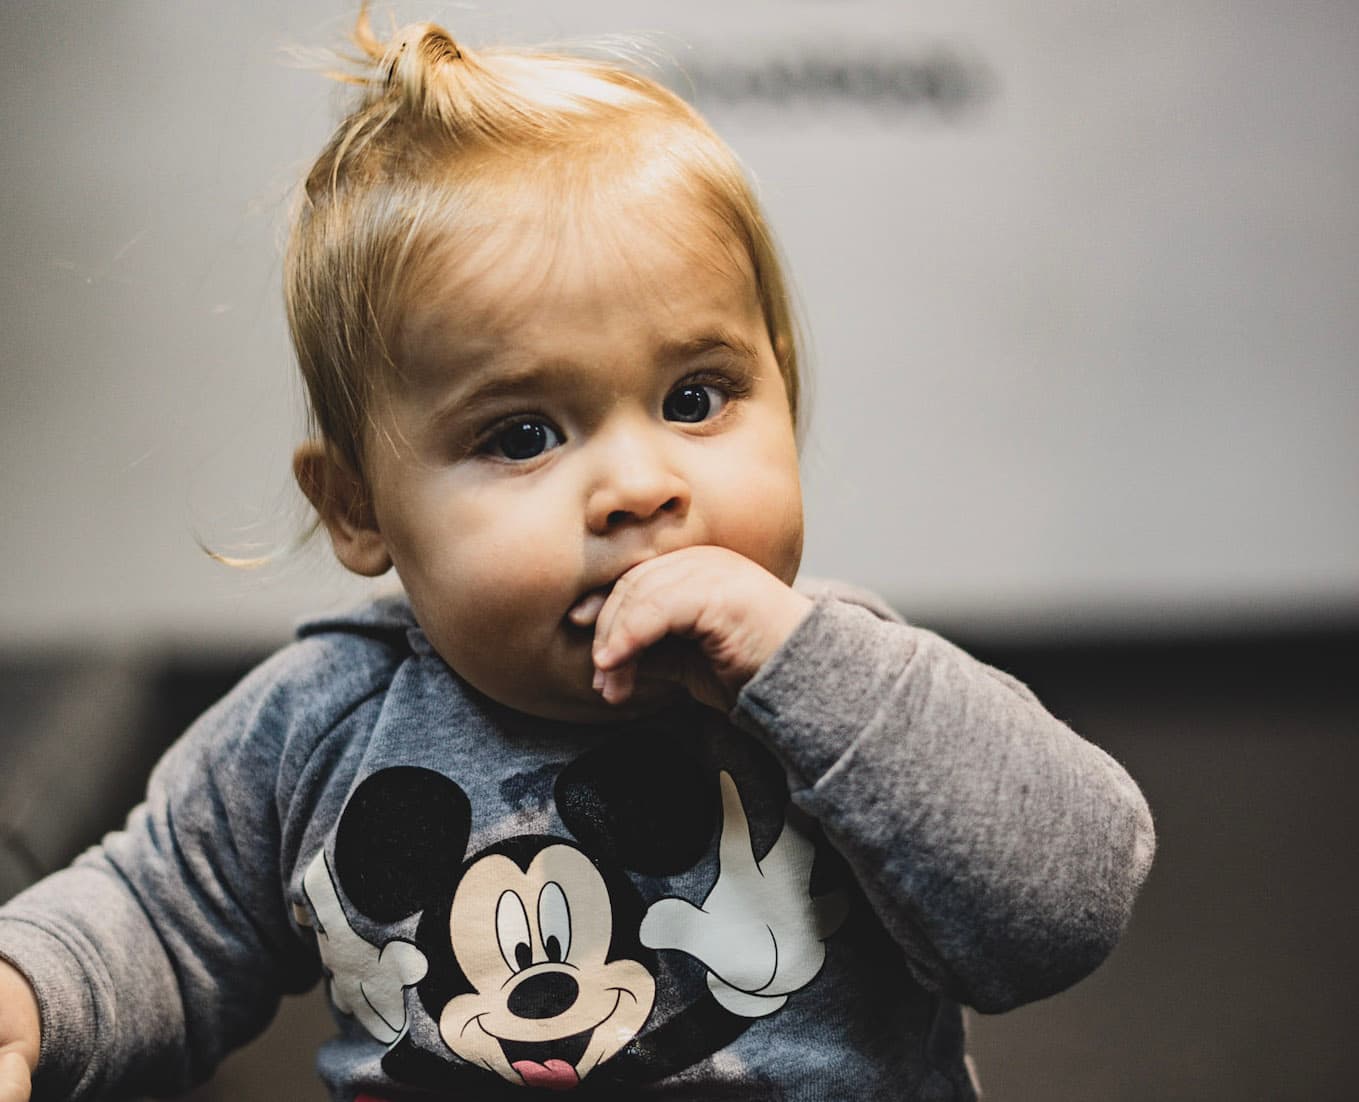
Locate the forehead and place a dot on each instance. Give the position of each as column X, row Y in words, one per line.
column 650, row 261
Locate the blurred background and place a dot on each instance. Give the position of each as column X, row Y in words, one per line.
column 1082, row 286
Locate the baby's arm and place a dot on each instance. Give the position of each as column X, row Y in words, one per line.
column 159, row 951
column 1002, row 851
column 155, row 953
column 19, row 1034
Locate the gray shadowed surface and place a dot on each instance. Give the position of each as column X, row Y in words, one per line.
column 1236, row 978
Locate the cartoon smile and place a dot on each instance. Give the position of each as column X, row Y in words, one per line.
column 549, row 1064
column 533, row 938
column 557, row 1063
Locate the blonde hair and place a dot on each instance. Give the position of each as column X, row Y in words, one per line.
column 436, row 127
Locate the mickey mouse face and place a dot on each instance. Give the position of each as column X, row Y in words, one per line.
column 529, row 953
column 547, row 1005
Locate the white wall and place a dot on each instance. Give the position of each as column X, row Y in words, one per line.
column 1085, row 346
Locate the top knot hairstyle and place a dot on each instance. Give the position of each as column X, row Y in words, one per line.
column 442, row 142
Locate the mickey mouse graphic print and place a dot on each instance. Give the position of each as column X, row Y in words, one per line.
column 680, row 902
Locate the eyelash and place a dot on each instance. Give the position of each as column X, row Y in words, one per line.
column 732, row 389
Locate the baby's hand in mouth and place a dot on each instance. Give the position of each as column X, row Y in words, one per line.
column 731, row 611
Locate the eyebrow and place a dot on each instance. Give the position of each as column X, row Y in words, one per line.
column 513, row 382
column 498, row 385
column 720, row 340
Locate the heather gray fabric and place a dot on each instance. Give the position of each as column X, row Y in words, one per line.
column 894, row 827
column 63, row 737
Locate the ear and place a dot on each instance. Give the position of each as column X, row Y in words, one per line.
column 342, row 501
column 400, row 841
column 643, row 803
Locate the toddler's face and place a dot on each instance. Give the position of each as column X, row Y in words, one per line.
column 560, row 419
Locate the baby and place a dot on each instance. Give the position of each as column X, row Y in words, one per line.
column 602, row 801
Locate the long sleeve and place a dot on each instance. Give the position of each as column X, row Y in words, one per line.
column 168, row 945
column 1002, row 851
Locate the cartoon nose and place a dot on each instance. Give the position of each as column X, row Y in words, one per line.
column 543, row 996
column 636, row 483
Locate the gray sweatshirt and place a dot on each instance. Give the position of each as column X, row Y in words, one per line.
column 790, row 902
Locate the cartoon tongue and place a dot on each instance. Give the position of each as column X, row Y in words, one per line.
column 555, row 1075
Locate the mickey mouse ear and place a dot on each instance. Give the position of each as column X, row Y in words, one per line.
column 401, row 841
column 641, row 803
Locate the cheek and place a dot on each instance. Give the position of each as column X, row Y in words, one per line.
column 761, row 513
column 490, row 555
column 771, row 534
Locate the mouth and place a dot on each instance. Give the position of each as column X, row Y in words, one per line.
column 548, row 1064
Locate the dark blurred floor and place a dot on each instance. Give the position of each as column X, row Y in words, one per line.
column 1236, row 980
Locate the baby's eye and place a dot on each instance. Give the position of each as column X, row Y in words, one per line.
column 693, row 402
column 523, row 439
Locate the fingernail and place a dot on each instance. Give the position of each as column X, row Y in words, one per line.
column 598, row 682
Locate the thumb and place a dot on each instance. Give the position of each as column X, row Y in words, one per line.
column 14, row 1080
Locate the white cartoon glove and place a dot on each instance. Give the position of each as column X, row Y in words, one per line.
column 759, row 932
column 365, row 980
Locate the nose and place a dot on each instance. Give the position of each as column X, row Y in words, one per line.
column 635, row 483
column 543, row 996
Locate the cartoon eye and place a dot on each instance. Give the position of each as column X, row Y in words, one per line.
column 554, row 921
column 512, row 932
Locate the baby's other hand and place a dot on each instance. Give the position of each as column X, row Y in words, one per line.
column 14, row 1078
column 734, row 613
column 18, row 1035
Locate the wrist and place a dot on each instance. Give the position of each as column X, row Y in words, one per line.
column 796, row 608
column 20, row 1021
column 826, row 685
column 779, row 624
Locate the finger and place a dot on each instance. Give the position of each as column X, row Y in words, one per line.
column 735, row 851
column 652, row 577
column 615, row 686
column 319, row 886
column 586, row 611
column 639, row 614
column 682, row 662
column 14, row 1078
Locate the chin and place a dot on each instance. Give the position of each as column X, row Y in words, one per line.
column 647, row 697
